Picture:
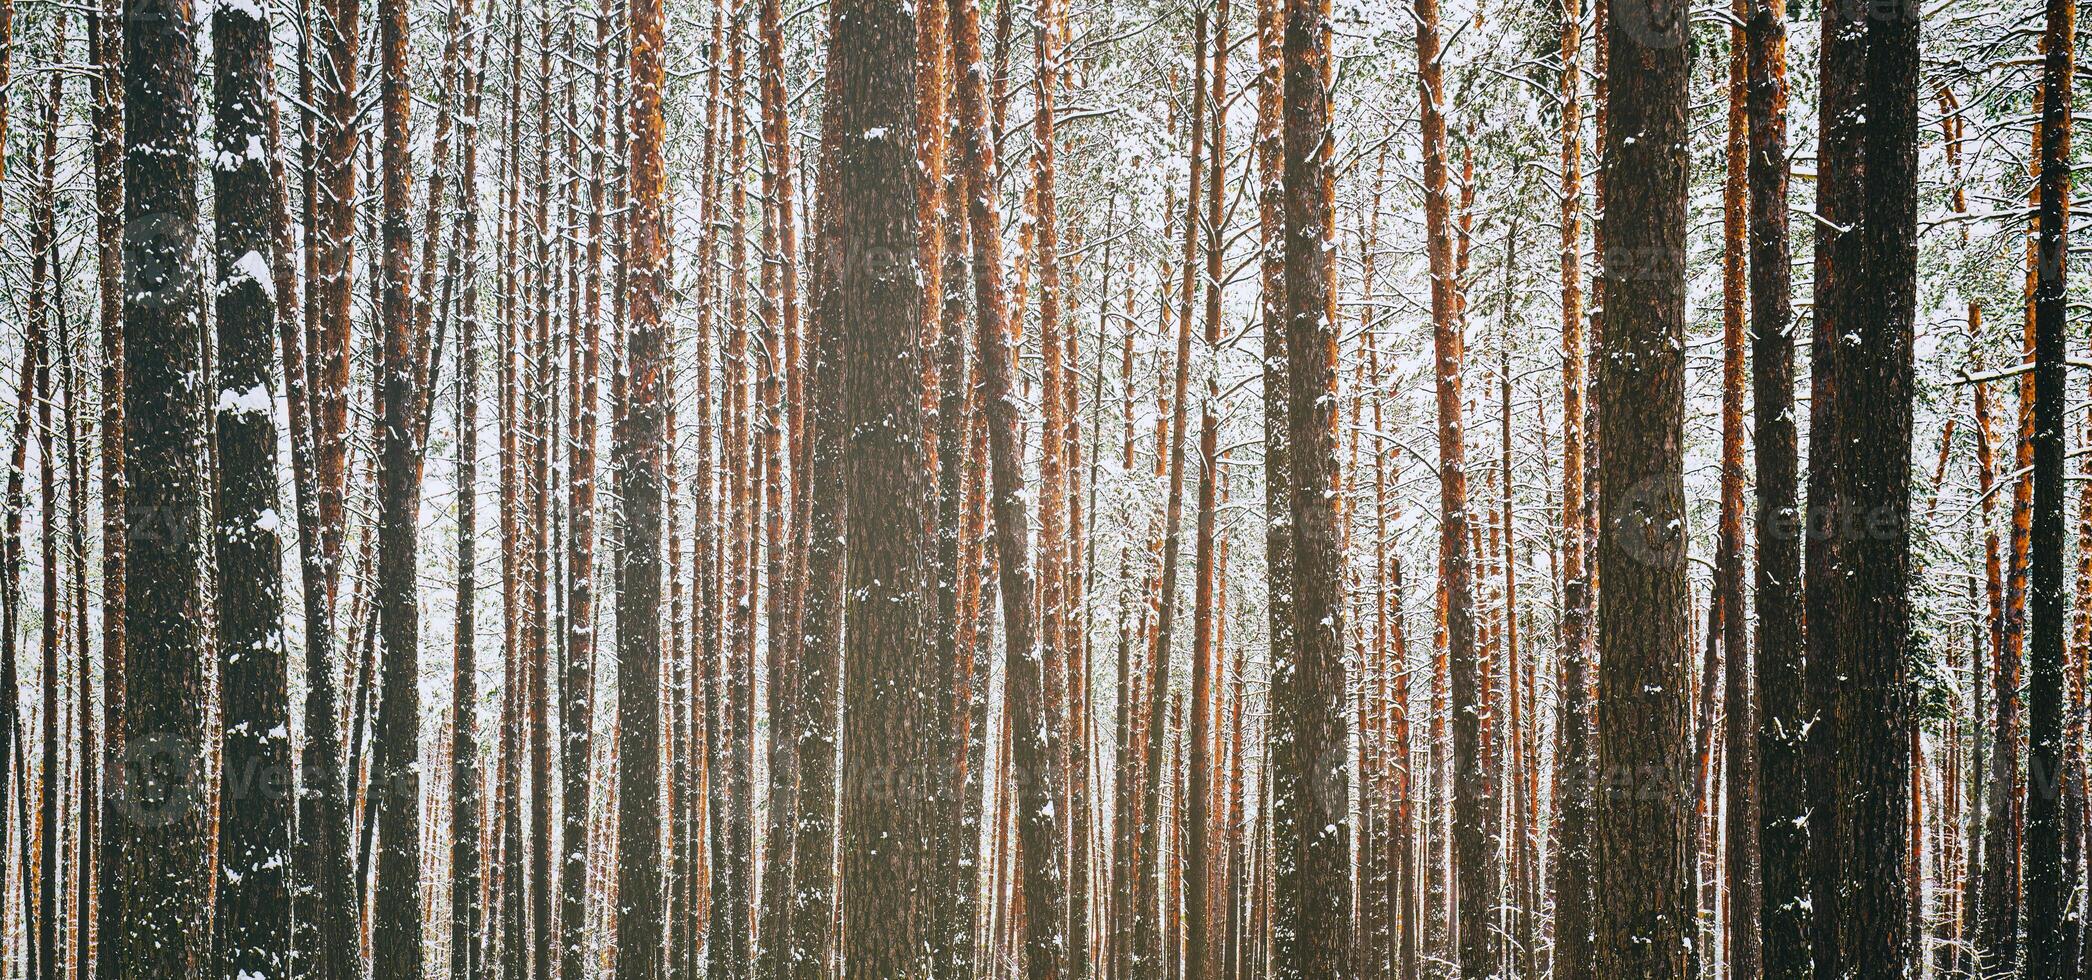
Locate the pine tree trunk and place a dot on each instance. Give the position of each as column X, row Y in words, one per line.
column 1739, row 916
column 1456, row 575
column 639, row 452
column 162, row 886
column 1782, row 768
column 397, row 929
column 1858, row 573
column 1575, row 780
column 1320, row 834
column 1035, row 750
column 814, row 869
column 1645, row 921
column 2049, row 887
column 886, row 483
column 252, row 923
column 1199, row 874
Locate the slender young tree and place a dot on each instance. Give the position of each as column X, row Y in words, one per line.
column 1469, row 785
column 1645, row 922
column 1858, row 569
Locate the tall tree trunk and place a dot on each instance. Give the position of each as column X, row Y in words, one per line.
column 2049, row 886
column 1321, row 838
column 1576, row 760
column 1280, row 732
column 1858, row 574
column 47, row 306
column 253, row 921
column 1782, row 719
column 1035, row 750
column 887, row 548
column 1456, row 566
column 105, row 42
column 1739, row 916
column 1201, row 941
column 639, row 452
column 396, row 771
column 1645, row 922
column 821, row 620
column 1149, row 931
column 162, row 888
column 576, row 685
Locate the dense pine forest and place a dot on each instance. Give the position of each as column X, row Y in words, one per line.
column 1043, row 490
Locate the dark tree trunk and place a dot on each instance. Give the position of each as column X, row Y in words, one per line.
column 821, row 620
column 162, row 886
column 1858, row 562
column 1646, row 910
column 2049, row 885
column 396, row 770
column 253, row 921
column 1783, row 772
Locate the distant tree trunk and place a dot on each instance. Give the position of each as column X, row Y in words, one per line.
column 1782, row 766
column 468, row 911
column 46, row 306
column 1645, row 922
column 253, row 921
column 1739, row 916
column 1201, row 942
column 1149, row 946
column 105, row 42
column 1321, row 837
column 639, row 453
column 576, row 684
column 396, row 771
column 1576, row 763
column 1858, row 574
column 2049, row 885
column 885, row 606
column 162, row 888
